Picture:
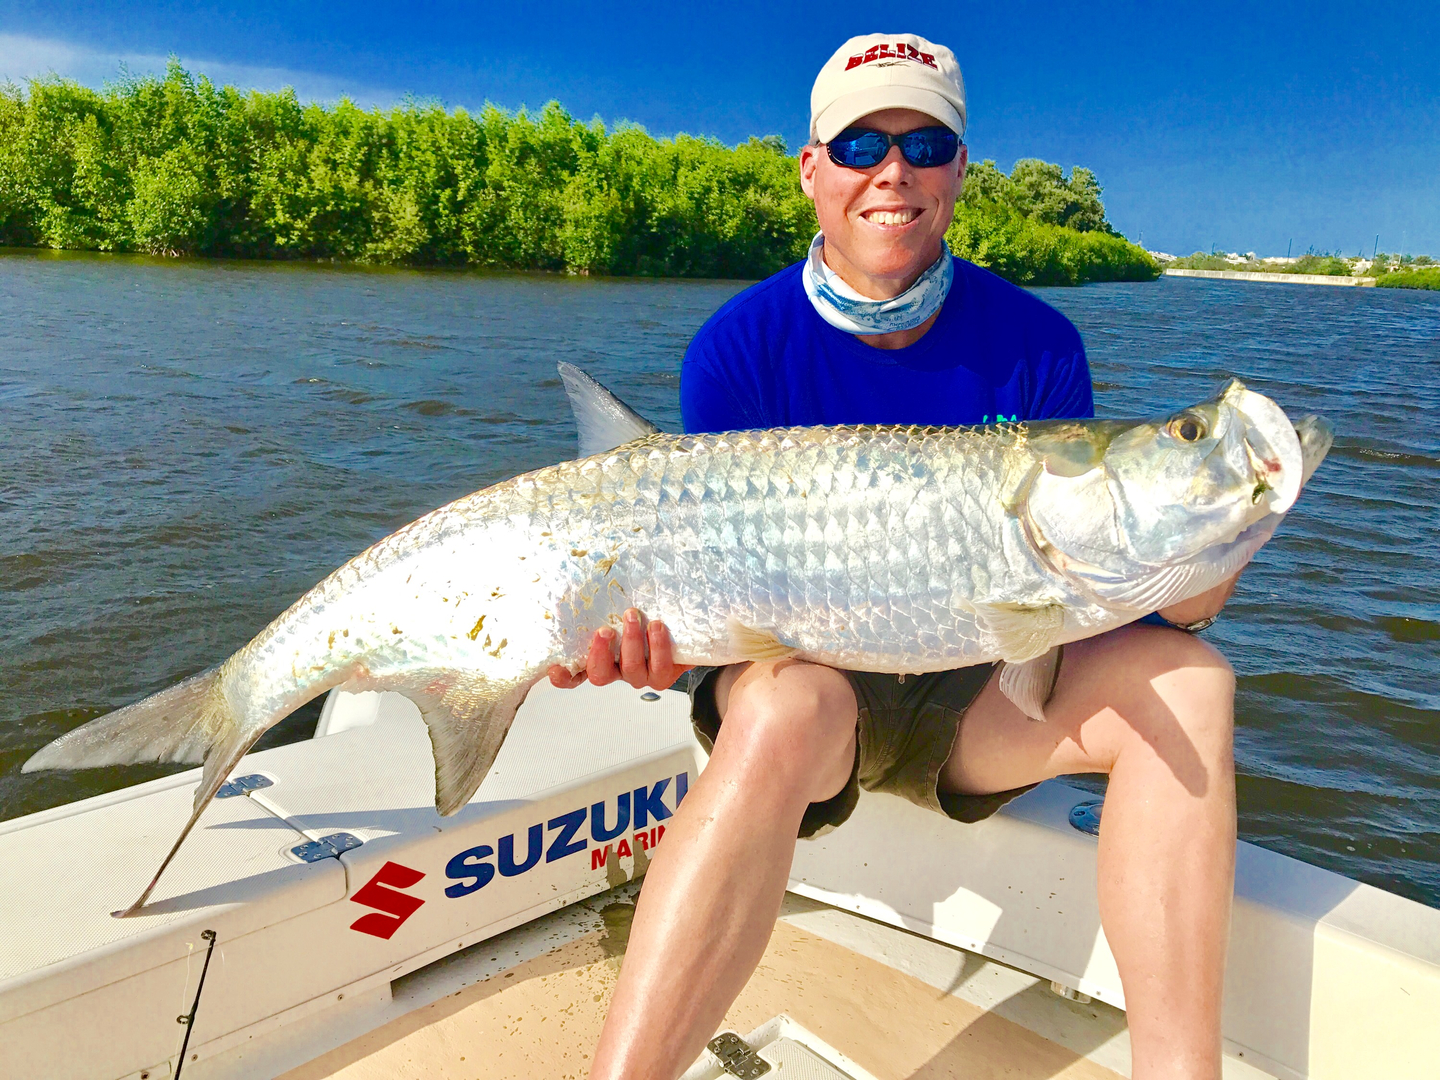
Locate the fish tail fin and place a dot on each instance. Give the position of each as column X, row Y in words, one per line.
column 189, row 723
column 180, row 725
column 468, row 720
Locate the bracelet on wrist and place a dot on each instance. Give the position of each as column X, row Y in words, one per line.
column 1156, row 619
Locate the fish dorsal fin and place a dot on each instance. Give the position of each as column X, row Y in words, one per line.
column 604, row 421
column 468, row 717
column 1030, row 684
column 1021, row 631
column 749, row 643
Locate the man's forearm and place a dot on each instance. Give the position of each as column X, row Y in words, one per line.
column 1205, row 606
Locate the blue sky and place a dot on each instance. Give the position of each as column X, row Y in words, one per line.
column 1243, row 126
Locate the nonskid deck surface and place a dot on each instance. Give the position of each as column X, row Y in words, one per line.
column 542, row 1017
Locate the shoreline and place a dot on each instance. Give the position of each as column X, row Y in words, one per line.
column 1283, row 279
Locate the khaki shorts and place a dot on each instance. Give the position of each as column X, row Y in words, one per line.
column 905, row 732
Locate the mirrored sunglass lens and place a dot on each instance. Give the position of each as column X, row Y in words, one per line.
column 861, row 148
column 929, row 146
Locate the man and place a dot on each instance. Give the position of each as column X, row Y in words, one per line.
column 880, row 325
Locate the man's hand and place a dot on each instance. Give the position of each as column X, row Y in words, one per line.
column 654, row 667
column 1205, row 606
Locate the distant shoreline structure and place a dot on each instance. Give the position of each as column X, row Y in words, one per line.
column 1383, row 270
column 1283, row 279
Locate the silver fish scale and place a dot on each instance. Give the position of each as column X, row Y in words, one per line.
column 857, row 546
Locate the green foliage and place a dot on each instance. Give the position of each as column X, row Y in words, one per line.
column 1326, row 265
column 1311, row 263
column 1424, row 278
column 1040, row 190
column 1033, row 252
column 178, row 166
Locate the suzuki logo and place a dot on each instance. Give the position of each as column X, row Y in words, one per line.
column 395, row 906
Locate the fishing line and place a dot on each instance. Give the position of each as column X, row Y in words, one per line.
column 187, row 1020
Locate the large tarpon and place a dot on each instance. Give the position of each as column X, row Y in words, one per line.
column 904, row 549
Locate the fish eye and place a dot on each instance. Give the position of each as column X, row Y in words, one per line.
column 1186, row 428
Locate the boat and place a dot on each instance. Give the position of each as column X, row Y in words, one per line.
column 324, row 922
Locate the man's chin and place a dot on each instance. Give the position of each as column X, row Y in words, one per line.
column 893, row 261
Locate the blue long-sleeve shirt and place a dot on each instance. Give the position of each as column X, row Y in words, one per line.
column 996, row 352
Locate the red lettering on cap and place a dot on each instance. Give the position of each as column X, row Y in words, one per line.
column 882, row 52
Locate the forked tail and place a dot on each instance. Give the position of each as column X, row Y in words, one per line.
column 190, row 722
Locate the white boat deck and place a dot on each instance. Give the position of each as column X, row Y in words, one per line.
column 1327, row 977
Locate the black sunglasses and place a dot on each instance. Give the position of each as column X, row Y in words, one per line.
column 923, row 148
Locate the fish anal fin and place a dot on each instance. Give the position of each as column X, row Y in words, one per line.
column 1021, row 631
column 1030, row 684
column 602, row 419
column 752, row 643
column 468, row 717
column 220, row 762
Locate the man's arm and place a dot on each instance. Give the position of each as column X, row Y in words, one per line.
column 1198, row 608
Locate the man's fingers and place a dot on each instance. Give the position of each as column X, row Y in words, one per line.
column 562, row 678
column 633, row 668
column 663, row 669
column 600, row 662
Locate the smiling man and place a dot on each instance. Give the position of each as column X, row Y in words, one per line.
column 881, row 325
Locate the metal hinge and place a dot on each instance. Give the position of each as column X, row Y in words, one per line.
column 736, row 1057
column 327, row 847
column 243, row 785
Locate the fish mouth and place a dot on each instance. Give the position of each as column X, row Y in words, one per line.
column 1273, row 446
column 1316, row 437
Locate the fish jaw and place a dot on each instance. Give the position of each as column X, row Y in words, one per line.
column 1272, row 444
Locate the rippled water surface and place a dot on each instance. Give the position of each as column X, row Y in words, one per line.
column 187, row 447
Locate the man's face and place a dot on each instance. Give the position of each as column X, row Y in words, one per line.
column 883, row 225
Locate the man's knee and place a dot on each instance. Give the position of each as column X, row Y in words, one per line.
column 796, row 717
column 1195, row 681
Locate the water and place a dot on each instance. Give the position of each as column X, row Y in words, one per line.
column 187, row 447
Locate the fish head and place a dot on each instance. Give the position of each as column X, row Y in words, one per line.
column 1144, row 512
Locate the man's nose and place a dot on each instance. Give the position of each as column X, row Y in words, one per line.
column 893, row 168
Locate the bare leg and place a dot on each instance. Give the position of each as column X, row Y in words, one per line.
column 1154, row 709
column 714, row 888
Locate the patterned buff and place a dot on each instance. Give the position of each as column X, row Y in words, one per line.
column 845, row 309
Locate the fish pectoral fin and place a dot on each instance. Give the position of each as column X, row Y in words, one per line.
column 751, row 643
column 1021, row 631
column 1030, row 684
column 603, row 420
column 468, row 717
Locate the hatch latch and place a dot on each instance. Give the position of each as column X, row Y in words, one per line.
column 736, row 1057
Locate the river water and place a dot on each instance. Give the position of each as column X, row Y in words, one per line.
column 189, row 446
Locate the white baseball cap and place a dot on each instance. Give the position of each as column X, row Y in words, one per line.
column 886, row 71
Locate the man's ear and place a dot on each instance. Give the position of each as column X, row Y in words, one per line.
column 809, row 162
